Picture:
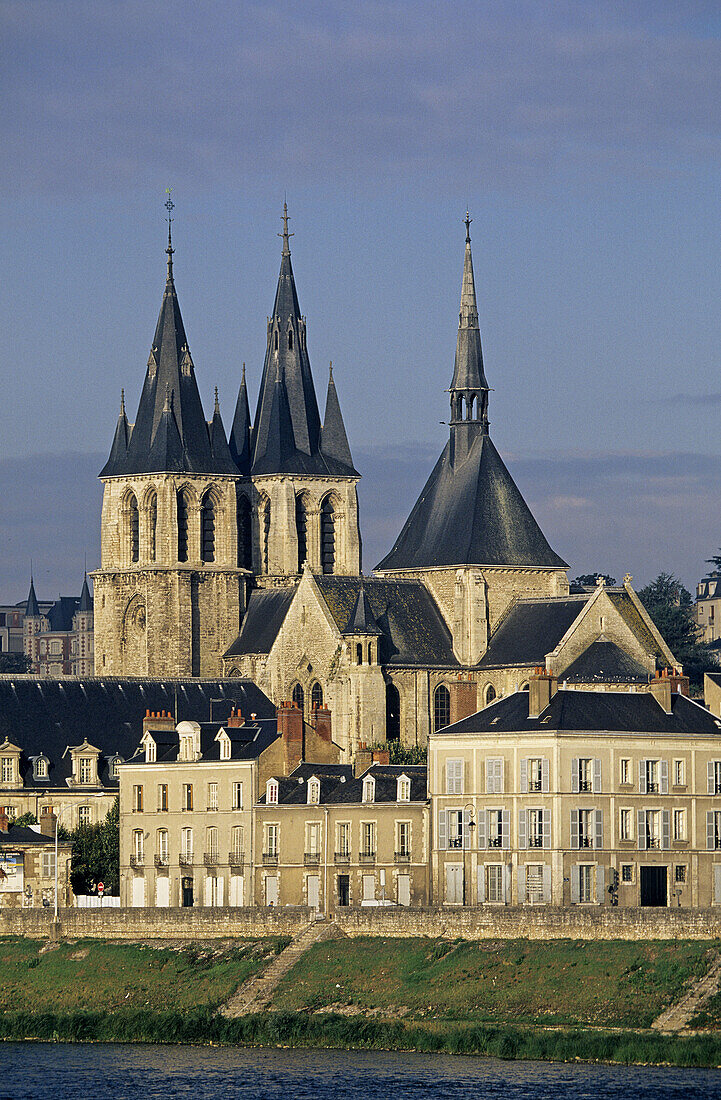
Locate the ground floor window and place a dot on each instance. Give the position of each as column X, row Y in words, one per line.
column 494, row 883
column 585, row 883
column 534, row 883
column 626, row 872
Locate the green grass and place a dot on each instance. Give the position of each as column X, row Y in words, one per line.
column 92, row 974
column 559, row 982
column 709, row 1016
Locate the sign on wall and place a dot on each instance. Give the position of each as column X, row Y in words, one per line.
column 11, row 872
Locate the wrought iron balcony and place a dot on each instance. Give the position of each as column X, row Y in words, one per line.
column 162, row 860
column 311, row 859
column 270, row 859
column 137, row 861
column 455, row 842
column 585, row 785
column 210, row 859
column 535, row 785
column 402, row 857
column 535, row 842
column 185, row 859
column 367, row 857
column 651, row 788
column 236, row 859
column 495, row 842
column 584, row 842
column 342, row 857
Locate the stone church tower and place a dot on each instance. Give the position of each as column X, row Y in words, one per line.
column 170, row 591
column 297, row 502
column 471, row 537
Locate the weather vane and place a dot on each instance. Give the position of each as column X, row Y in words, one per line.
column 169, row 205
column 467, row 220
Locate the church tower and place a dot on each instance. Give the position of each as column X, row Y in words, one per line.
column 471, row 536
column 297, row 501
column 170, row 591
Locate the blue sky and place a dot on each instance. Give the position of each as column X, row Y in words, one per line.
column 585, row 139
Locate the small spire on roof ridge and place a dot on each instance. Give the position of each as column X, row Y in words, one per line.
column 242, row 377
column 122, row 402
column 217, row 406
column 168, row 400
column 467, row 222
column 169, row 206
column 285, row 234
column 330, row 371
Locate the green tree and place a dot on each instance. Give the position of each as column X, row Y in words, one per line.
column 26, row 819
column 406, row 754
column 96, row 854
column 670, row 606
column 715, row 560
column 587, row 580
column 15, row 662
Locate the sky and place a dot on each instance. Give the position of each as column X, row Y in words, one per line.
column 584, row 138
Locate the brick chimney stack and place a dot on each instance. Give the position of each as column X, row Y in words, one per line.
column 542, row 686
column 290, row 728
column 47, row 823
column 464, row 699
column 158, row 720
column 235, row 719
column 660, row 688
column 321, row 721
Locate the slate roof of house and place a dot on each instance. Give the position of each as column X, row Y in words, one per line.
column 247, row 742
column 43, row 716
column 575, row 711
column 61, row 614
column 605, row 662
column 340, row 786
column 635, row 621
column 23, row 835
column 531, row 629
column 264, row 616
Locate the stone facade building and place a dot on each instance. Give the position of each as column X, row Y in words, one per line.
column 707, row 608
column 58, row 636
column 27, row 865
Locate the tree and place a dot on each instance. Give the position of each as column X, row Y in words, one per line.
column 26, row 819
column 96, row 854
column 15, row 662
column 590, row 580
column 715, row 560
column 670, row 606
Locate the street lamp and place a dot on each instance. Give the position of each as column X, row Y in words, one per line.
column 469, row 815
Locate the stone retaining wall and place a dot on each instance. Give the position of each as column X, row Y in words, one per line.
column 484, row 922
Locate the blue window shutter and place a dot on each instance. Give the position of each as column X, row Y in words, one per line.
column 599, row 828
column 597, row 776
column 574, row 829
column 575, row 775
column 575, row 884
column 521, row 828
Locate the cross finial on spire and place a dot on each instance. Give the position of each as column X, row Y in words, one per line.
column 122, row 402
column 330, row 371
column 217, row 406
column 169, row 206
column 285, row 234
column 243, row 377
column 467, row 222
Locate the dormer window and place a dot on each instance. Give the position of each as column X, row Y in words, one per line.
column 403, row 793
column 313, row 792
column 85, row 769
column 113, row 766
column 271, row 792
column 40, row 768
column 224, row 747
column 7, row 770
column 151, row 750
column 186, row 747
column 369, row 789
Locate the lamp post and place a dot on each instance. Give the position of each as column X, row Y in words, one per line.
column 469, row 814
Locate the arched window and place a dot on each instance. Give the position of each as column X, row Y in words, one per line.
column 152, row 526
column 524, row 687
column 441, row 707
column 393, row 713
column 207, row 528
column 316, row 695
column 134, row 526
column 245, row 529
column 182, row 503
column 298, row 697
column 265, row 531
column 290, row 339
column 301, row 527
column 327, row 536
column 370, row 653
column 359, row 653
column 489, row 694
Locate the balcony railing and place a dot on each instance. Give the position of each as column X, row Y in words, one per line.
column 137, row 860
column 162, row 860
column 535, row 842
column 585, row 785
column 535, row 785
column 653, row 842
column 342, row 857
column 185, row 859
column 495, row 842
column 311, row 859
column 367, row 857
column 651, row 787
column 270, row 859
column 402, row 857
column 455, row 841
column 584, row 842
column 236, row 859
column 210, row 859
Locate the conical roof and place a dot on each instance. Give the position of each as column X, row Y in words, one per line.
column 121, row 439
column 86, row 600
column 240, row 432
column 31, row 607
column 333, row 437
column 361, row 620
column 468, row 372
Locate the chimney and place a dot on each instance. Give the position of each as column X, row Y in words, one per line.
column 235, row 719
column 47, row 823
column 363, row 760
column 464, row 699
column 678, row 681
column 290, row 728
column 542, row 686
column 660, row 688
column 322, row 724
column 4, row 823
column 158, row 720
column 381, row 756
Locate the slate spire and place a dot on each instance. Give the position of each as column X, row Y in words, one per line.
column 86, row 600
column 240, row 432
column 333, row 438
column 121, row 439
column 170, row 391
column 469, row 388
column 31, row 608
column 361, row 619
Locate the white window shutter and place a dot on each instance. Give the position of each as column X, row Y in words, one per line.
column 507, row 880
column 208, row 891
column 710, row 831
column 599, row 828
column 547, row 884
column 575, row 783
column 521, row 828
column 546, row 828
column 505, row 829
column 574, row 829
column 521, row 884
column 665, row 828
column 710, row 778
column 717, row 884
column 442, row 832
column 597, row 776
column 664, row 777
column 524, row 776
column 642, row 829
column 642, row 776
column 600, row 884
column 575, row 884
column 481, row 829
column 221, row 883
column 465, row 822
column 490, row 775
column 481, row 884
column 544, row 776
column 498, row 788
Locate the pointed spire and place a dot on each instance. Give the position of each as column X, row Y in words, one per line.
column 169, row 206
column 240, row 432
column 333, row 437
column 469, row 388
column 31, row 607
column 121, row 439
column 285, row 234
column 218, row 440
column 361, row 619
column 86, row 601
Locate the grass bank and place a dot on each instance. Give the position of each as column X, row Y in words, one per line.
column 292, row 1029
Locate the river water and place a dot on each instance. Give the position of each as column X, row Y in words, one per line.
column 31, row 1071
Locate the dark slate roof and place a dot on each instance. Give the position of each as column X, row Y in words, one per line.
column 86, row 600
column 247, row 742
column 413, row 631
column 23, row 835
column 591, row 711
column 61, row 614
column 46, row 716
column 530, row 630
column 170, row 433
column 240, row 431
column 339, row 786
column 471, row 513
column 266, row 612
column 333, row 438
column 286, row 434
column 468, row 372
column 31, row 607
column 605, row 662
column 636, row 622
column 361, row 619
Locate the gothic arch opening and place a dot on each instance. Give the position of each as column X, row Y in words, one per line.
column 264, row 518
column 133, row 636
column 441, row 707
column 316, row 695
column 327, row 534
column 301, row 528
column 183, row 502
column 393, row 713
column 207, row 527
column 489, row 694
column 151, row 513
column 131, row 504
column 245, row 532
column 298, row 697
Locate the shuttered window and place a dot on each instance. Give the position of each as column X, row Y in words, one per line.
column 454, row 777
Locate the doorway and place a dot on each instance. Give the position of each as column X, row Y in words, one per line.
column 404, row 889
column 653, row 886
column 271, row 890
column 314, row 891
column 187, row 893
column 344, row 889
column 454, row 884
